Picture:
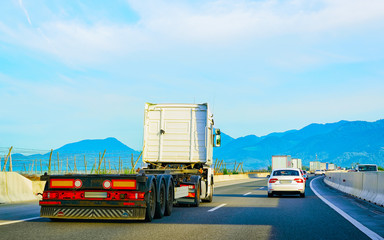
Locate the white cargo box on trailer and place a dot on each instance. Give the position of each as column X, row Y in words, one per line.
column 297, row 163
column 281, row 162
column 178, row 133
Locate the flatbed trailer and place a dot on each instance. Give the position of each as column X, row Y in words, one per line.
column 178, row 141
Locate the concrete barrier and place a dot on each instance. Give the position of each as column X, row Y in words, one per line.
column 15, row 188
column 222, row 178
column 357, row 183
column 365, row 185
column 369, row 186
column 379, row 199
column 254, row 175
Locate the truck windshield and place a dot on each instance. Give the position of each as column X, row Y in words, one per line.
column 286, row 173
column 367, row 168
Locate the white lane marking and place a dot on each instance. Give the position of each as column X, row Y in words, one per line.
column 17, row 221
column 357, row 224
column 261, row 187
column 215, row 208
column 247, row 194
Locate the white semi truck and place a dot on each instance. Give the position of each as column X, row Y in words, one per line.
column 178, row 142
column 297, row 163
column 281, row 161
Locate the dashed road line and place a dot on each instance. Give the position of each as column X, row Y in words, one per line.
column 247, row 194
column 371, row 234
column 17, row 221
column 215, row 208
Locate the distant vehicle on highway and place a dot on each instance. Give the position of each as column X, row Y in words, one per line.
column 366, row 168
column 305, row 173
column 286, row 180
column 319, row 172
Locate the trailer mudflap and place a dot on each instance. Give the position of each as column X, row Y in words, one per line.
column 93, row 213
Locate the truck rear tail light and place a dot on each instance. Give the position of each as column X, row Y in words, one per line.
column 50, row 195
column 191, row 195
column 273, row 180
column 299, row 180
column 123, row 184
column 78, row 183
column 135, row 195
column 191, row 190
column 62, row 183
column 107, row 184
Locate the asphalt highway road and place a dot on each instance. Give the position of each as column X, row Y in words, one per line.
column 240, row 211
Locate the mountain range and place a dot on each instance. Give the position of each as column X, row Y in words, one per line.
column 342, row 143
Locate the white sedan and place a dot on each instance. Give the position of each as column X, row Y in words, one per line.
column 319, row 172
column 287, row 180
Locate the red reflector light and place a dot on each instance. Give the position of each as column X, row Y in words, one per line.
column 107, row 184
column 78, row 183
column 49, row 203
column 273, row 180
column 124, row 184
column 62, row 183
column 299, row 180
column 129, row 203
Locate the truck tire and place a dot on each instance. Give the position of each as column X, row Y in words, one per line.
column 160, row 203
column 151, row 204
column 197, row 195
column 170, row 198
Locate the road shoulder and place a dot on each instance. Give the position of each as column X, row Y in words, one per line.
column 357, row 211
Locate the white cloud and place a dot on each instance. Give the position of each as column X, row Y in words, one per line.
column 25, row 11
column 220, row 25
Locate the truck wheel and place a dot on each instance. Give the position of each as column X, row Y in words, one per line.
column 151, row 204
column 170, row 198
column 160, row 204
column 197, row 196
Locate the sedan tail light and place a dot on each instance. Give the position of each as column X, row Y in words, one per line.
column 299, row 180
column 273, row 180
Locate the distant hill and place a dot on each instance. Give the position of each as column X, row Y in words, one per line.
column 96, row 145
column 342, row 143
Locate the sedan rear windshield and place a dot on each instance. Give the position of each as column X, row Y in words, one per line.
column 286, row 173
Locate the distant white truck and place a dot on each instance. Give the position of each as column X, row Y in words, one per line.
column 297, row 163
column 281, row 161
column 366, row 168
column 324, row 166
column 331, row 166
column 314, row 165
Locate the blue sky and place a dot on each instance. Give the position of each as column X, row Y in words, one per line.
column 74, row 70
